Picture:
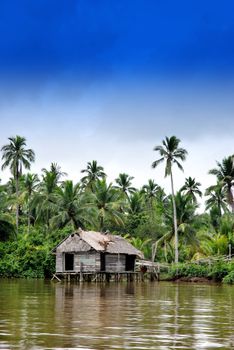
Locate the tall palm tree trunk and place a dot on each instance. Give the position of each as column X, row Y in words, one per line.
column 101, row 223
column 17, row 202
column 29, row 215
column 175, row 221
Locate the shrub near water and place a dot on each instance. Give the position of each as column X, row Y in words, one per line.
column 188, row 270
column 29, row 256
column 218, row 271
column 229, row 278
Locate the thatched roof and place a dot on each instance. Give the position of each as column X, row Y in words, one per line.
column 83, row 241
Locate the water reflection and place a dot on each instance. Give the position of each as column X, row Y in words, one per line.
column 38, row 315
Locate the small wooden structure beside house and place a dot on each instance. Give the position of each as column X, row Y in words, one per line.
column 85, row 253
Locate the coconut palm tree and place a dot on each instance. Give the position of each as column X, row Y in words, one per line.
column 108, row 203
column 124, row 184
column 216, row 199
column 56, row 170
column 225, row 176
column 15, row 156
column 171, row 153
column 135, row 203
column 72, row 207
column 44, row 201
column 151, row 189
column 93, row 173
column 191, row 188
column 30, row 186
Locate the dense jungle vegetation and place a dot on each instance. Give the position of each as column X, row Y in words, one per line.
column 38, row 210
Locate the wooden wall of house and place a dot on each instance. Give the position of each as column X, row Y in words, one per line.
column 91, row 262
column 115, row 262
column 59, row 262
column 85, row 262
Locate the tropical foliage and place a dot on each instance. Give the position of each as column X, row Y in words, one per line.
column 38, row 210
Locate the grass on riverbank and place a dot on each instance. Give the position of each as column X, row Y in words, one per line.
column 219, row 271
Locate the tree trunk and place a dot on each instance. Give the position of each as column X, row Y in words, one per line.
column 101, row 223
column 17, row 204
column 175, row 221
column 29, row 215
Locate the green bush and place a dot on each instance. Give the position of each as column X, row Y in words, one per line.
column 229, row 278
column 219, row 270
column 188, row 270
column 30, row 256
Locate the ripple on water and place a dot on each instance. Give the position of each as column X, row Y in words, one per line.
column 94, row 317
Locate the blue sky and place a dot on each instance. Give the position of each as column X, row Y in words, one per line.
column 108, row 80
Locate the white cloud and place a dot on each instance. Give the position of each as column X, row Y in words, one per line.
column 119, row 125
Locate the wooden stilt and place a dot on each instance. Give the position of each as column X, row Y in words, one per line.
column 54, row 276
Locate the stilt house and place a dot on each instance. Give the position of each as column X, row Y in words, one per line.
column 93, row 252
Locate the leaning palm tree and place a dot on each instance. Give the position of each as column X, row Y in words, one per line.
column 171, row 153
column 225, row 175
column 191, row 188
column 15, row 156
column 124, row 184
column 93, row 173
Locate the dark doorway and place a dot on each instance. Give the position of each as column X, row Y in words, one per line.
column 69, row 262
column 130, row 262
column 103, row 262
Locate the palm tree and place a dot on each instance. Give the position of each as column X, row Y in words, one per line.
column 16, row 157
column 217, row 199
column 108, row 203
column 93, row 173
column 225, row 176
column 150, row 192
column 136, row 203
column 56, row 170
column 150, row 189
column 143, row 245
column 185, row 212
column 30, row 184
column 191, row 188
column 124, row 184
column 170, row 153
column 72, row 207
column 44, row 201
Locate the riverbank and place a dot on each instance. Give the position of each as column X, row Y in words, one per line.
column 30, row 257
column 218, row 271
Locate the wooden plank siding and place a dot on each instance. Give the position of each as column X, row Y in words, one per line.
column 91, row 262
column 115, row 262
column 59, row 262
column 85, row 262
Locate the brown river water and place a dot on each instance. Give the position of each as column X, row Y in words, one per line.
column 37, row 315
